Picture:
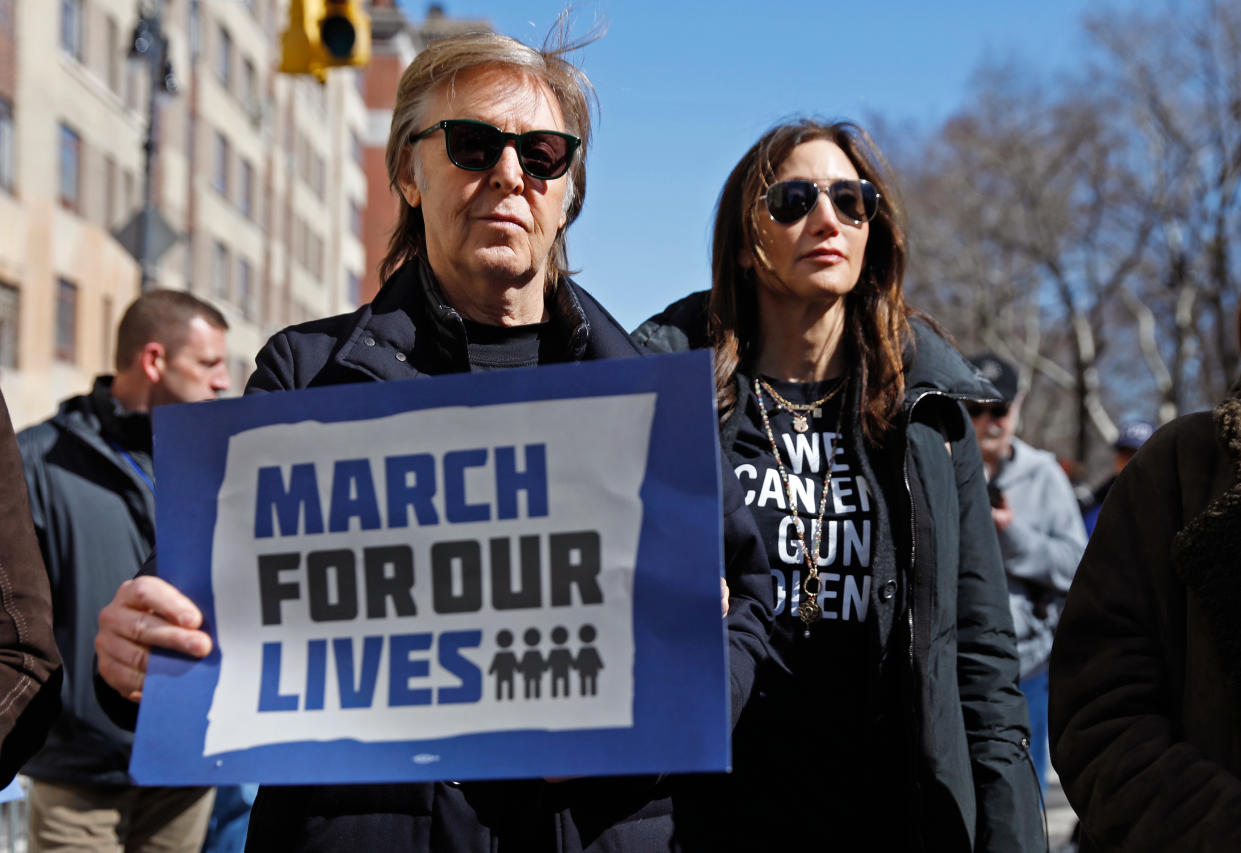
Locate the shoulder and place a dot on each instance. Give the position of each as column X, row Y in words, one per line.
column 298, row 352
column 680, row 326
column 608, row 338
column 935, row 363
column 36, row 441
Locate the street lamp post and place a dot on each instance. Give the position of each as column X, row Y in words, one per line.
column 150, row 46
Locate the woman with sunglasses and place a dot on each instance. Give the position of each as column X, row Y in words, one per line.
column 888, row 717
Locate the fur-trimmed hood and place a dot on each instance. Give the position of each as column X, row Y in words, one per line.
column 1205, row 552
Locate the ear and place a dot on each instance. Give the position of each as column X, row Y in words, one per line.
column 564, row 218
column 153, row 361
column 745, row 259
column 409, row 191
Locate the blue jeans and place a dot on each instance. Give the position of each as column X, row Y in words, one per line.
column 1034, row 689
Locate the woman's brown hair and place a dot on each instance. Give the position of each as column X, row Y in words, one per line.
column 877, row 320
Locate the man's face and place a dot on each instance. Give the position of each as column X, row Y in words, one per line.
column 197, row 370
column 994, row 425
column 490, row 231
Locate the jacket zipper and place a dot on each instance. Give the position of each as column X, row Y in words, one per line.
column 909, row 493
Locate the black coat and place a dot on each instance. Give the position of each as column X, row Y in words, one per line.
column 940, row 620
column 1145, row 703
column 95, row 520
column 409, row 331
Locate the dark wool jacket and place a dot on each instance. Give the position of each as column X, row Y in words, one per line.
column 1145, row 707
column 30, row 671
column 95, row 520
column 940, row 617
column 409, row 331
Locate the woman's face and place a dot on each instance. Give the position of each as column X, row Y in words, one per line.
column 820, row 255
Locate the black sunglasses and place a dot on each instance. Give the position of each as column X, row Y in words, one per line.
column 789, row 201
column 476, row 146
column 995, row 410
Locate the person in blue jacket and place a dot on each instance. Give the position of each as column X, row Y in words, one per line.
column 487, row 156
column 888, row 716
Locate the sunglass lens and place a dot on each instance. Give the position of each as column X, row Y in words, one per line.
column 544, row 155
column 995, row 410
column 789, row 201
column 474, row 146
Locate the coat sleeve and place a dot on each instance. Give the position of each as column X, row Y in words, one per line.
column 996, row 721
column 1133, row 779
column 750, row 591
column 30, row 668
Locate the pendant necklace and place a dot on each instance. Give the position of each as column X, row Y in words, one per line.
column 799, row 411
column 809, row 611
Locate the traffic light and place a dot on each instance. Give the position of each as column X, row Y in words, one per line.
column 345, row 33
column 323, row 34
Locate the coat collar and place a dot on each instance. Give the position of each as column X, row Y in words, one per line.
column 1205, row 551
column 410, row 329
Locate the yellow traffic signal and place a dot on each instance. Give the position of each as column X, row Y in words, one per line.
column 345, row 33
column 323, row 34
column 300, row 50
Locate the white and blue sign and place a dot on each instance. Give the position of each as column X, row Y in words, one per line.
column 511, row 574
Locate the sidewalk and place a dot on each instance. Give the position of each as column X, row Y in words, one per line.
column 1060, row 816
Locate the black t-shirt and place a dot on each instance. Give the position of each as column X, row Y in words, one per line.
column 500, row 347
column 816, row 691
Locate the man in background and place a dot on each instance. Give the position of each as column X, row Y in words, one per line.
column 1041, row 536
column 92, row 496
column 1132, row 436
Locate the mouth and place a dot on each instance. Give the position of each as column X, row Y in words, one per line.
column 503, row 219
column 824, row 255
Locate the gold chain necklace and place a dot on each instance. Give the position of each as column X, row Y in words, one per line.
column 809, row 610
column 799, row 411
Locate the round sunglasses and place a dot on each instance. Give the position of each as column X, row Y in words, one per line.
column 476, row 146
column 855, row 201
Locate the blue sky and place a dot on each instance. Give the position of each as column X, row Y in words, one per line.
column 686, row 88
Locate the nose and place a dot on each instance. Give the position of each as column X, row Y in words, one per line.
column 824, row 218
column 506, row 174
column 221, row 382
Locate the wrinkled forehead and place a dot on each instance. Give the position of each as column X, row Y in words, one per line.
column 504, row 95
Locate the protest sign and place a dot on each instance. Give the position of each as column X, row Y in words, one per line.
column 511, row 574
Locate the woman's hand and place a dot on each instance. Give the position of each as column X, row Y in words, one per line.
column 724, row 595
column 145, row 612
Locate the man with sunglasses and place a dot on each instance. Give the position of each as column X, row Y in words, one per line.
column 1041, row 535
column 486, row 151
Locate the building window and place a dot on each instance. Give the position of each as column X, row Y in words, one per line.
column 219, row 271
column 245, row 193
column 66, row 320
column 71, row 28
column 116, row 56
column 245, row 288
column 355, row 288
column 109, row 192
column 108, row 330
column 249, row 84
column 219, row 174
column 355, row 218
column 6, row 18
column 7, row 146
column 224, row 59
column 70, row 158
column 9, row 304
column 356, row 145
